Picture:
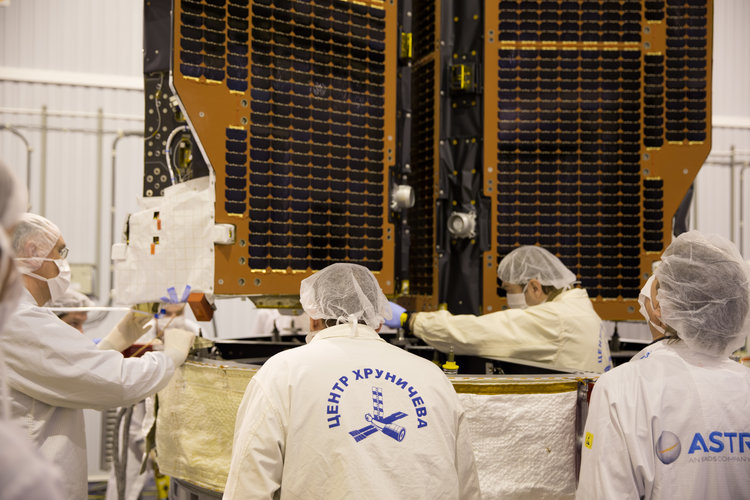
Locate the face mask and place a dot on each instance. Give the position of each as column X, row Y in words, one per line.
column 645, row 295
column 642, row 308
column 642, row 298
column 60, row 283
column 517, row 300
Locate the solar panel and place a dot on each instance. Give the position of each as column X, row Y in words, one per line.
column 362, row 433
column 585, row 131
column 575, row 125
column 292, row 102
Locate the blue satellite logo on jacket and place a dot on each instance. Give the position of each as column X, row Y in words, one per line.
column 378, row 419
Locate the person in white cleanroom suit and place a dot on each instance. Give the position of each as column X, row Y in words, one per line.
column 54, row 371
column 547, row 321
column 349, row 415
column 24, row 473
column 674, row 423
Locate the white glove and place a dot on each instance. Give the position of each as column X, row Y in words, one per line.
column 170, row 322
column 130, row 328
column 177, row 344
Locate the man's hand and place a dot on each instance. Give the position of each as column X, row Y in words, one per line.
column 396, row 312
column 130, row 328
column 177, row 344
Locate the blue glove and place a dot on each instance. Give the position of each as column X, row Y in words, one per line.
column 396, row 311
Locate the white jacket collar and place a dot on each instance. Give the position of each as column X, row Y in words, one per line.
column 345, row 330
column 695, row 357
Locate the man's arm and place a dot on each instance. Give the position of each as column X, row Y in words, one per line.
column 511, row 333
column 53, row 363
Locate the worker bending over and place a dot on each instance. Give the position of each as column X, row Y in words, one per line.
column 547, row 322
column 350, row 415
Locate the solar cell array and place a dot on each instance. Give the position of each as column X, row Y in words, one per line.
column 586, row 93
column 302, row 168
column 595, row 119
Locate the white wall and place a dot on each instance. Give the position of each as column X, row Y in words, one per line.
column 81, row 60
column 718, row 193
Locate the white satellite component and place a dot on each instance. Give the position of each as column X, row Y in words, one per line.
column 402, row 196
column 170, row 243
column 462, row 224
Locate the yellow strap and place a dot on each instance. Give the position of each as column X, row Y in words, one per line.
column 515, row 388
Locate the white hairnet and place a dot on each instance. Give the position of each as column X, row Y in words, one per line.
column 34, row 236
column 12, row 197
column 344, row 292
column 72, row 298
column 704, row 294
column 531, row 262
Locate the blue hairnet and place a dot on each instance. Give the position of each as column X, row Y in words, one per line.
column 704, row 292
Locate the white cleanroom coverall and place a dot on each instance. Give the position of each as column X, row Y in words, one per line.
column 54, row 372
column 351, row 417
column 24, row 473
column 672, row 423
column 651, row 348
column 564, row 333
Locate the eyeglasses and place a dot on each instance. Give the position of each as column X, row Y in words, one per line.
column 63, row 252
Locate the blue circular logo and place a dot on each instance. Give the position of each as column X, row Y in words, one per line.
column 668, row 447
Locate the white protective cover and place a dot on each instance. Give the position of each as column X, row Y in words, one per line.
column 524, row 444
column 195, row 421
column 183, row 222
